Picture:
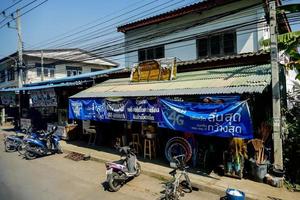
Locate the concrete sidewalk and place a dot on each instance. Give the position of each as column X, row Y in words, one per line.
column 212, row 183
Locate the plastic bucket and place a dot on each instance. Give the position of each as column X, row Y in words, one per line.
column 233, row 194
column 258, row 171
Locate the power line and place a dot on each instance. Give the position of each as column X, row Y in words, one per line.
column 27, row 11
column 3, row 11
column 107, row 27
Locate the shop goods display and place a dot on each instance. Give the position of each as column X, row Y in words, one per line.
column 177, row 146
column 234, row 158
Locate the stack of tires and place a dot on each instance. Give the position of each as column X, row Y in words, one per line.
column 177, row 146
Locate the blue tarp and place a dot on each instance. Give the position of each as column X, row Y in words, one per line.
column 228, row 119
column 222, row 120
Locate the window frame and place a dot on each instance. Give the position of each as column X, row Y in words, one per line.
column 221, row 42
column 146, row 52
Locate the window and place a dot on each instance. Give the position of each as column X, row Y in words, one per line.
column 73, row 71
column 217, row 45
column 49, row 70
column 10, row 74
column 151, row 53
column 95, row 70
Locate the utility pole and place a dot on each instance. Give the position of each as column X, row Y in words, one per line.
column 42, row 65
column 20, row 50
column 277, row 139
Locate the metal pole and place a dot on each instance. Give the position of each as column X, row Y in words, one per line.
column 20, row 49
column 2, row 116
column 42, row 65
column 20, row 66
column 277, row 140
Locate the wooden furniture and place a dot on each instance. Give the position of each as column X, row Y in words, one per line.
column 136, row 142
column 88, row 129
column 149, row 148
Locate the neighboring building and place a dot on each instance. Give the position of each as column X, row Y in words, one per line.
column 212, row 28
column 56, row 64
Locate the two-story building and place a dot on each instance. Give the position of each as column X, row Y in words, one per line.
column 45, row 65
column 216, row 44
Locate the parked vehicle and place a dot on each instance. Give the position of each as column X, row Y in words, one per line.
column 43, row 145
column 177, row 187
column 118, row 172
column 15, row 142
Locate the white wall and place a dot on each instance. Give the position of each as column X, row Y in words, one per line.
column 247, row 41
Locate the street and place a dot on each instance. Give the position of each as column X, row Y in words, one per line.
column 55, row 177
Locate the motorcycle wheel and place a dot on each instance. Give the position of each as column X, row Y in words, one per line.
column 138, row 169
column 8, row 148
column 21, row 149
column 59, row 149
column 29, row 155
column 113, row 184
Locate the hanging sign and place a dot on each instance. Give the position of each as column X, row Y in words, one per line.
column 8, row 99
column 222, row 120
column 154, row 70
column 43, row 98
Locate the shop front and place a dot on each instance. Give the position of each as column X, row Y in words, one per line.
column 209, row 115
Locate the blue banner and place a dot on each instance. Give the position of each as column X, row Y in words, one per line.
column 213, row 119
column 127, row 109
column 143, row 110
column 87, row 109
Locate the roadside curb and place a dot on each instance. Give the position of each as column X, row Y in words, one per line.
column 202, row 187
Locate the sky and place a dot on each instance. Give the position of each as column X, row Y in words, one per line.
column 57, row 17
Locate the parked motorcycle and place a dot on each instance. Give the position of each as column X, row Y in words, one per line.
column 118, row 172
column 15, row 142
column 42, row 145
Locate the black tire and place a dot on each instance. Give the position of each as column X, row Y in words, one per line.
column 59, row 149
column 21, row 149
column 9, row 148
column 138, row 169
column 186, row 187
column 29, row 155
column 113, row 184
column 179, row 141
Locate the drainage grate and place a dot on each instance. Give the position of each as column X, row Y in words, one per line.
column 75, row 156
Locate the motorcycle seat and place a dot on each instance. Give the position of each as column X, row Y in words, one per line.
column 120, row 162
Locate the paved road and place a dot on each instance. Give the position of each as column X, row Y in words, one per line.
column 58, row 178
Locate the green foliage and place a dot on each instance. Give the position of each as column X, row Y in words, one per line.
column 292, row 147
column 290, row 8
column 289, row 43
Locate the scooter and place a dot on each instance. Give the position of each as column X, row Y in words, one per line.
column 43, row 145
column 118, row 172
column 15, row 142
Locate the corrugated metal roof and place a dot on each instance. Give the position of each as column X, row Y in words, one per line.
column 221, row 58
column 196, row 7
column 242, row 79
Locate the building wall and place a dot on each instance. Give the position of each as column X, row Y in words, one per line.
column 188, row 28
column 60, row 70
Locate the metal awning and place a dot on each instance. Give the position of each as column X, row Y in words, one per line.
column 39, row 87
column 231, row 80
column 84, row 76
